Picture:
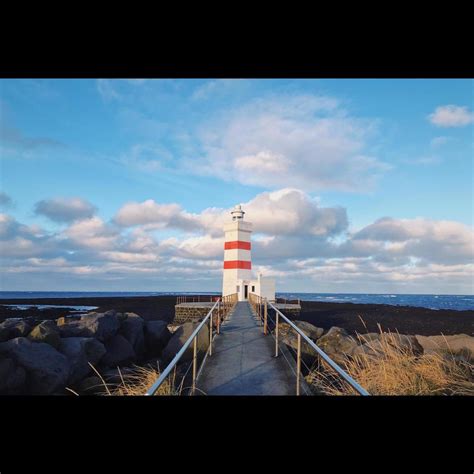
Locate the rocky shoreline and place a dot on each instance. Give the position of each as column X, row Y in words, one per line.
column 44, row 351
column 54, row 356
column 364, row 318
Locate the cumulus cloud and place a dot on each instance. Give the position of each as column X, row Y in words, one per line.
column 18, row 240
column 92, row 233
column 291, row 211
column 286, row 211
column 305, row 141
column 65, row 209
column 451, row 116
column 151, row 212
column 301, row 243
column 442, row 241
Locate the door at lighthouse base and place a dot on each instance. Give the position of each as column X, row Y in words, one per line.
column 246, row 292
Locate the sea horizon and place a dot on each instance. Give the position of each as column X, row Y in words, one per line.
column 434, row 301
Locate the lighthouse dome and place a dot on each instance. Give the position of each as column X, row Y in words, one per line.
column 237, row 213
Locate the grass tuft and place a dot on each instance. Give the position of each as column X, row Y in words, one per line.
column 388, row 368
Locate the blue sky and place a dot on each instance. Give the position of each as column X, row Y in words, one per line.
column 134, row 178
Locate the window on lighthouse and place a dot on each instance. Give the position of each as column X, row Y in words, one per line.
column 253, row 289
column 238, row 288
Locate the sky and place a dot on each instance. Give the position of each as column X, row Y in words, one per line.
column 352, row 185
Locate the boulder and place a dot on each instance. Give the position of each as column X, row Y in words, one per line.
column 313, row 332
column 337, row 343
column 132, row 330
column 79, row 352
column 404, row 342
column 180, row 337
column 157, row 336
column 310, row 330
column 47, row 370
column 119, row 352
column 377, row 346
column 289, row 336
column 47, row 332
column 456, row 344
column 123, row 316
column 12, row 377
column 101, row 326
column 371, row 349
column 368, row 337
column 12, row 328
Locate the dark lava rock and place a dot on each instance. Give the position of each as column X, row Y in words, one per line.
column 119, row 352
column 80, row 351
column 47, row 370
column 102, row 326
column 157, row 336
column 47, row 332
column 12, row 328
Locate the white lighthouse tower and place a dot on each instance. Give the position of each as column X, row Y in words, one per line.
column 238, row 277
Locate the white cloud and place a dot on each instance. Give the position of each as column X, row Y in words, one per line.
column 286, row 211
column 65, row 209
column 306, row 141
column 304, row 245
column 92, row 233
column 447, row 242
column 160, row 215
column 451, row 116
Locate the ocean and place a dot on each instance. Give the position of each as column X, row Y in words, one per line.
column 453, row 302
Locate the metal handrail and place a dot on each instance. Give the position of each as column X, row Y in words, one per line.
column 226, row 302
column 263, row 301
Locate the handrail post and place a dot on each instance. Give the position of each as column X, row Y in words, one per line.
column 218, row 317
column 298, row 366
column 265, row 318
column 194, row 363
column 276, row 335
column 210, row 333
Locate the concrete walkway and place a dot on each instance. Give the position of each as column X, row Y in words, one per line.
column 242, row 361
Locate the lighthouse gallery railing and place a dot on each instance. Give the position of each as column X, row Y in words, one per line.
column 214, row 317
column 261, row 305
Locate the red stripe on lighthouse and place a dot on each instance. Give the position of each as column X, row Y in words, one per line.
column 228, row 264
column 237, row 244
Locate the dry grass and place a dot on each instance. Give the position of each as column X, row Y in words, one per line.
column 138, row 381
column 391, row 369
column 135, row 382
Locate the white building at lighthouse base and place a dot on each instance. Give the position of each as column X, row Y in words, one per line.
column 262, row 286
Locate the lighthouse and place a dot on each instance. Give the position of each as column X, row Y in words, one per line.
column 238, row 277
